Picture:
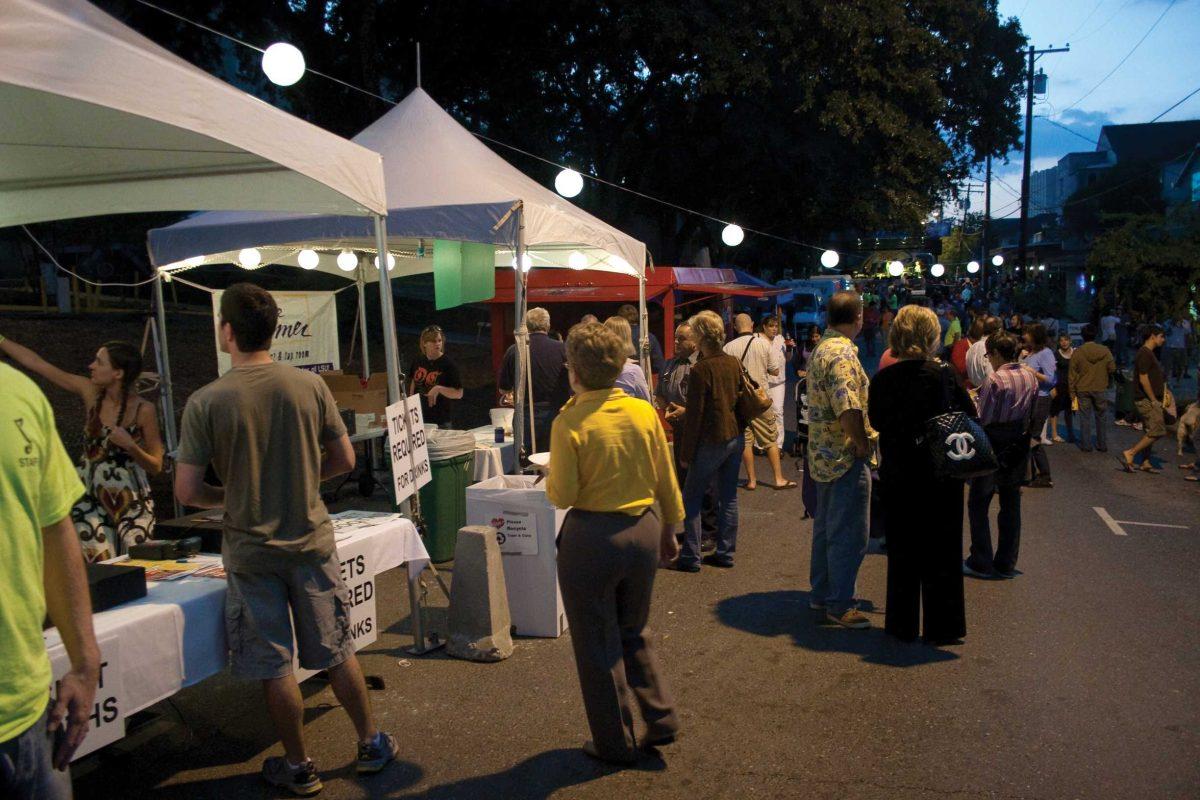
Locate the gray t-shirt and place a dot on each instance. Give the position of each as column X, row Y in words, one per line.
column 261, row 427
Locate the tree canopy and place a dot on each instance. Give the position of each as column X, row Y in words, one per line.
column 797, row 117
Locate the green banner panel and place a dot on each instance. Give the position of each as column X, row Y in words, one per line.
column 463, row 272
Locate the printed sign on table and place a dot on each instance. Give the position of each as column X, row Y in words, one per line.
column 108, row 713
column 408, row 474
column 516, row 531
column 306, row 336
column 358, row 573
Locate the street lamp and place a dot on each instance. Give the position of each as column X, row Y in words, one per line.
column 568, row 183
column 283, row 64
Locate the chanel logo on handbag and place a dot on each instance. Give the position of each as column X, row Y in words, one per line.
column 961, row 446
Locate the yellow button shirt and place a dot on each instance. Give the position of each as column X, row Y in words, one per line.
column 608, row 453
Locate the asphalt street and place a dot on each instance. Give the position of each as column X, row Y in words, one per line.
column 1079, row 679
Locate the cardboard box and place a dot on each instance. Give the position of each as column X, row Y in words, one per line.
column 350, row 395
column 527, row 529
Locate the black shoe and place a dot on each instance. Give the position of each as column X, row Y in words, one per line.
column 1101, row 449
column 1041, row 482
column 683, row 566
column 724, row 562
column 1083, row 449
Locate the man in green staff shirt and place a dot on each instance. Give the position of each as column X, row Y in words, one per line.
column 41, row 570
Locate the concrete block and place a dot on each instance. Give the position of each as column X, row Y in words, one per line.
column 480, row 623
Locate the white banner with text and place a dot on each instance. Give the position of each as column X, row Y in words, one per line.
column 306, row 335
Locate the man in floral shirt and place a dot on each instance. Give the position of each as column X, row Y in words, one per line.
column 841, row 448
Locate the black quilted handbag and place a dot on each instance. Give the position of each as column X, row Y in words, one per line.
column 957, row 444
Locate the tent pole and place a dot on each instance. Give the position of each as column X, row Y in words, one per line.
column 165, row 387
column 644, row 328
column 521, row 336
column 362, row 323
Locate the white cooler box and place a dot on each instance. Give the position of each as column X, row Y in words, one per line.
column 527, row 526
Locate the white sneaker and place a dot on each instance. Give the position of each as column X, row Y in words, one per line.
column 1047, row 442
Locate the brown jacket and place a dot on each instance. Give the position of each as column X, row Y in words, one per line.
column 712, row 393
column 1091, row 367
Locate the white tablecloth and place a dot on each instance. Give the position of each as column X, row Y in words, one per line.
column 491, row 459
column 175, row 636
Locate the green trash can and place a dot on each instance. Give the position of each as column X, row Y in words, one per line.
column 444, row 498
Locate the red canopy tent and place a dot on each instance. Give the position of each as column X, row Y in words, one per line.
column 669, row 287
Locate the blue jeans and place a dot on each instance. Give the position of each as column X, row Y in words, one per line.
column 841, row 527
column 723, row 462
column 25, row 766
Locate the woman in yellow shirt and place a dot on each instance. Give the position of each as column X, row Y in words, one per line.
column 609, row 463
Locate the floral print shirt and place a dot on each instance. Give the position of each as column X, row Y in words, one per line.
column 836, row 383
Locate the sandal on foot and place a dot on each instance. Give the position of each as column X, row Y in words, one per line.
column 784, row 485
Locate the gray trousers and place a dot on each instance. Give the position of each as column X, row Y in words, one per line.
column 606, row 568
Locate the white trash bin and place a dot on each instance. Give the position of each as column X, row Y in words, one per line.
column 527, row 526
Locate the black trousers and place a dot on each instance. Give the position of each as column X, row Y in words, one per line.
column 1008, row 521
column 924, row 536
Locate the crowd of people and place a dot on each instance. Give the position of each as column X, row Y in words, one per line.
column 271, row 434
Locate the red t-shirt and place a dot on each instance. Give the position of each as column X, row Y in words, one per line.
column 887, row 359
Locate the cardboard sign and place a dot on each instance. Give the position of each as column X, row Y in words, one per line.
column 408, row 448
column 306, row 335
column 108, row 713
column 516, row 530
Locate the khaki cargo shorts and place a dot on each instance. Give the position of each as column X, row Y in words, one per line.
column 259, row 611
column 1152, row 417
column 762, row 431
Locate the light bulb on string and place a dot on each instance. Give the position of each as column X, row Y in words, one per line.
column 526, row 262
column 895, row 269
column 194, row 261
column 997, row 260
column 732, row 235
column 568, row 183
column 347, row 261
column 937, row 270
column 283, row 64
column 391, row 262
column 830, row 259
column 972, row 267
column 308, row 259
column 249, row 258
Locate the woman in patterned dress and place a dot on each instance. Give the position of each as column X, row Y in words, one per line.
column 122, row 447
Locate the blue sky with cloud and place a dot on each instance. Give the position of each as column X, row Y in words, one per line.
column 1101, row 32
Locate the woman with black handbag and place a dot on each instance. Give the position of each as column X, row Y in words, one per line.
column 922, row 507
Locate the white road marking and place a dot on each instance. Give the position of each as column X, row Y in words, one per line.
column 1109, row 521
column 1114, row 525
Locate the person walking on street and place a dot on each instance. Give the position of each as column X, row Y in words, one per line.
column 610, row 464
column 1006, row 403
column 841, row 453
column 262, row 426
column 1060, row 396
column 1175, row 351
column 670, row 395
column 776, row 373
column 709, row 444
column 1149, row 397
column 1041, row 360
column 755, row 355
column 1088, row 378
column 925, row 548
column 41, row 574
column 978, row 365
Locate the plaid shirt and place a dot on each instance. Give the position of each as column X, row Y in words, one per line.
column 1007, row 395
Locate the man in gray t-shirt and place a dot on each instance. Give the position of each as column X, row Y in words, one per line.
column 262, row 426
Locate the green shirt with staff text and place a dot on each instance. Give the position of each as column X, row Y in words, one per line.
column 38, row 486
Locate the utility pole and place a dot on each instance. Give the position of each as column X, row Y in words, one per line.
column 1033, row 56
column 984, row 263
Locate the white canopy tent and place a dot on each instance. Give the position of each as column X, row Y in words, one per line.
column 442, row 183
column 100, row 120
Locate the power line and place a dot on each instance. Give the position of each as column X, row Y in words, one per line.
column 1068, row 130
column 1091, row 13
column 1121, row 63
column 1176, row 105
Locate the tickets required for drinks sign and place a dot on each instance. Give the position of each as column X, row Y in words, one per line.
column 408, row 474
column 305, row 337
column 107, row 717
